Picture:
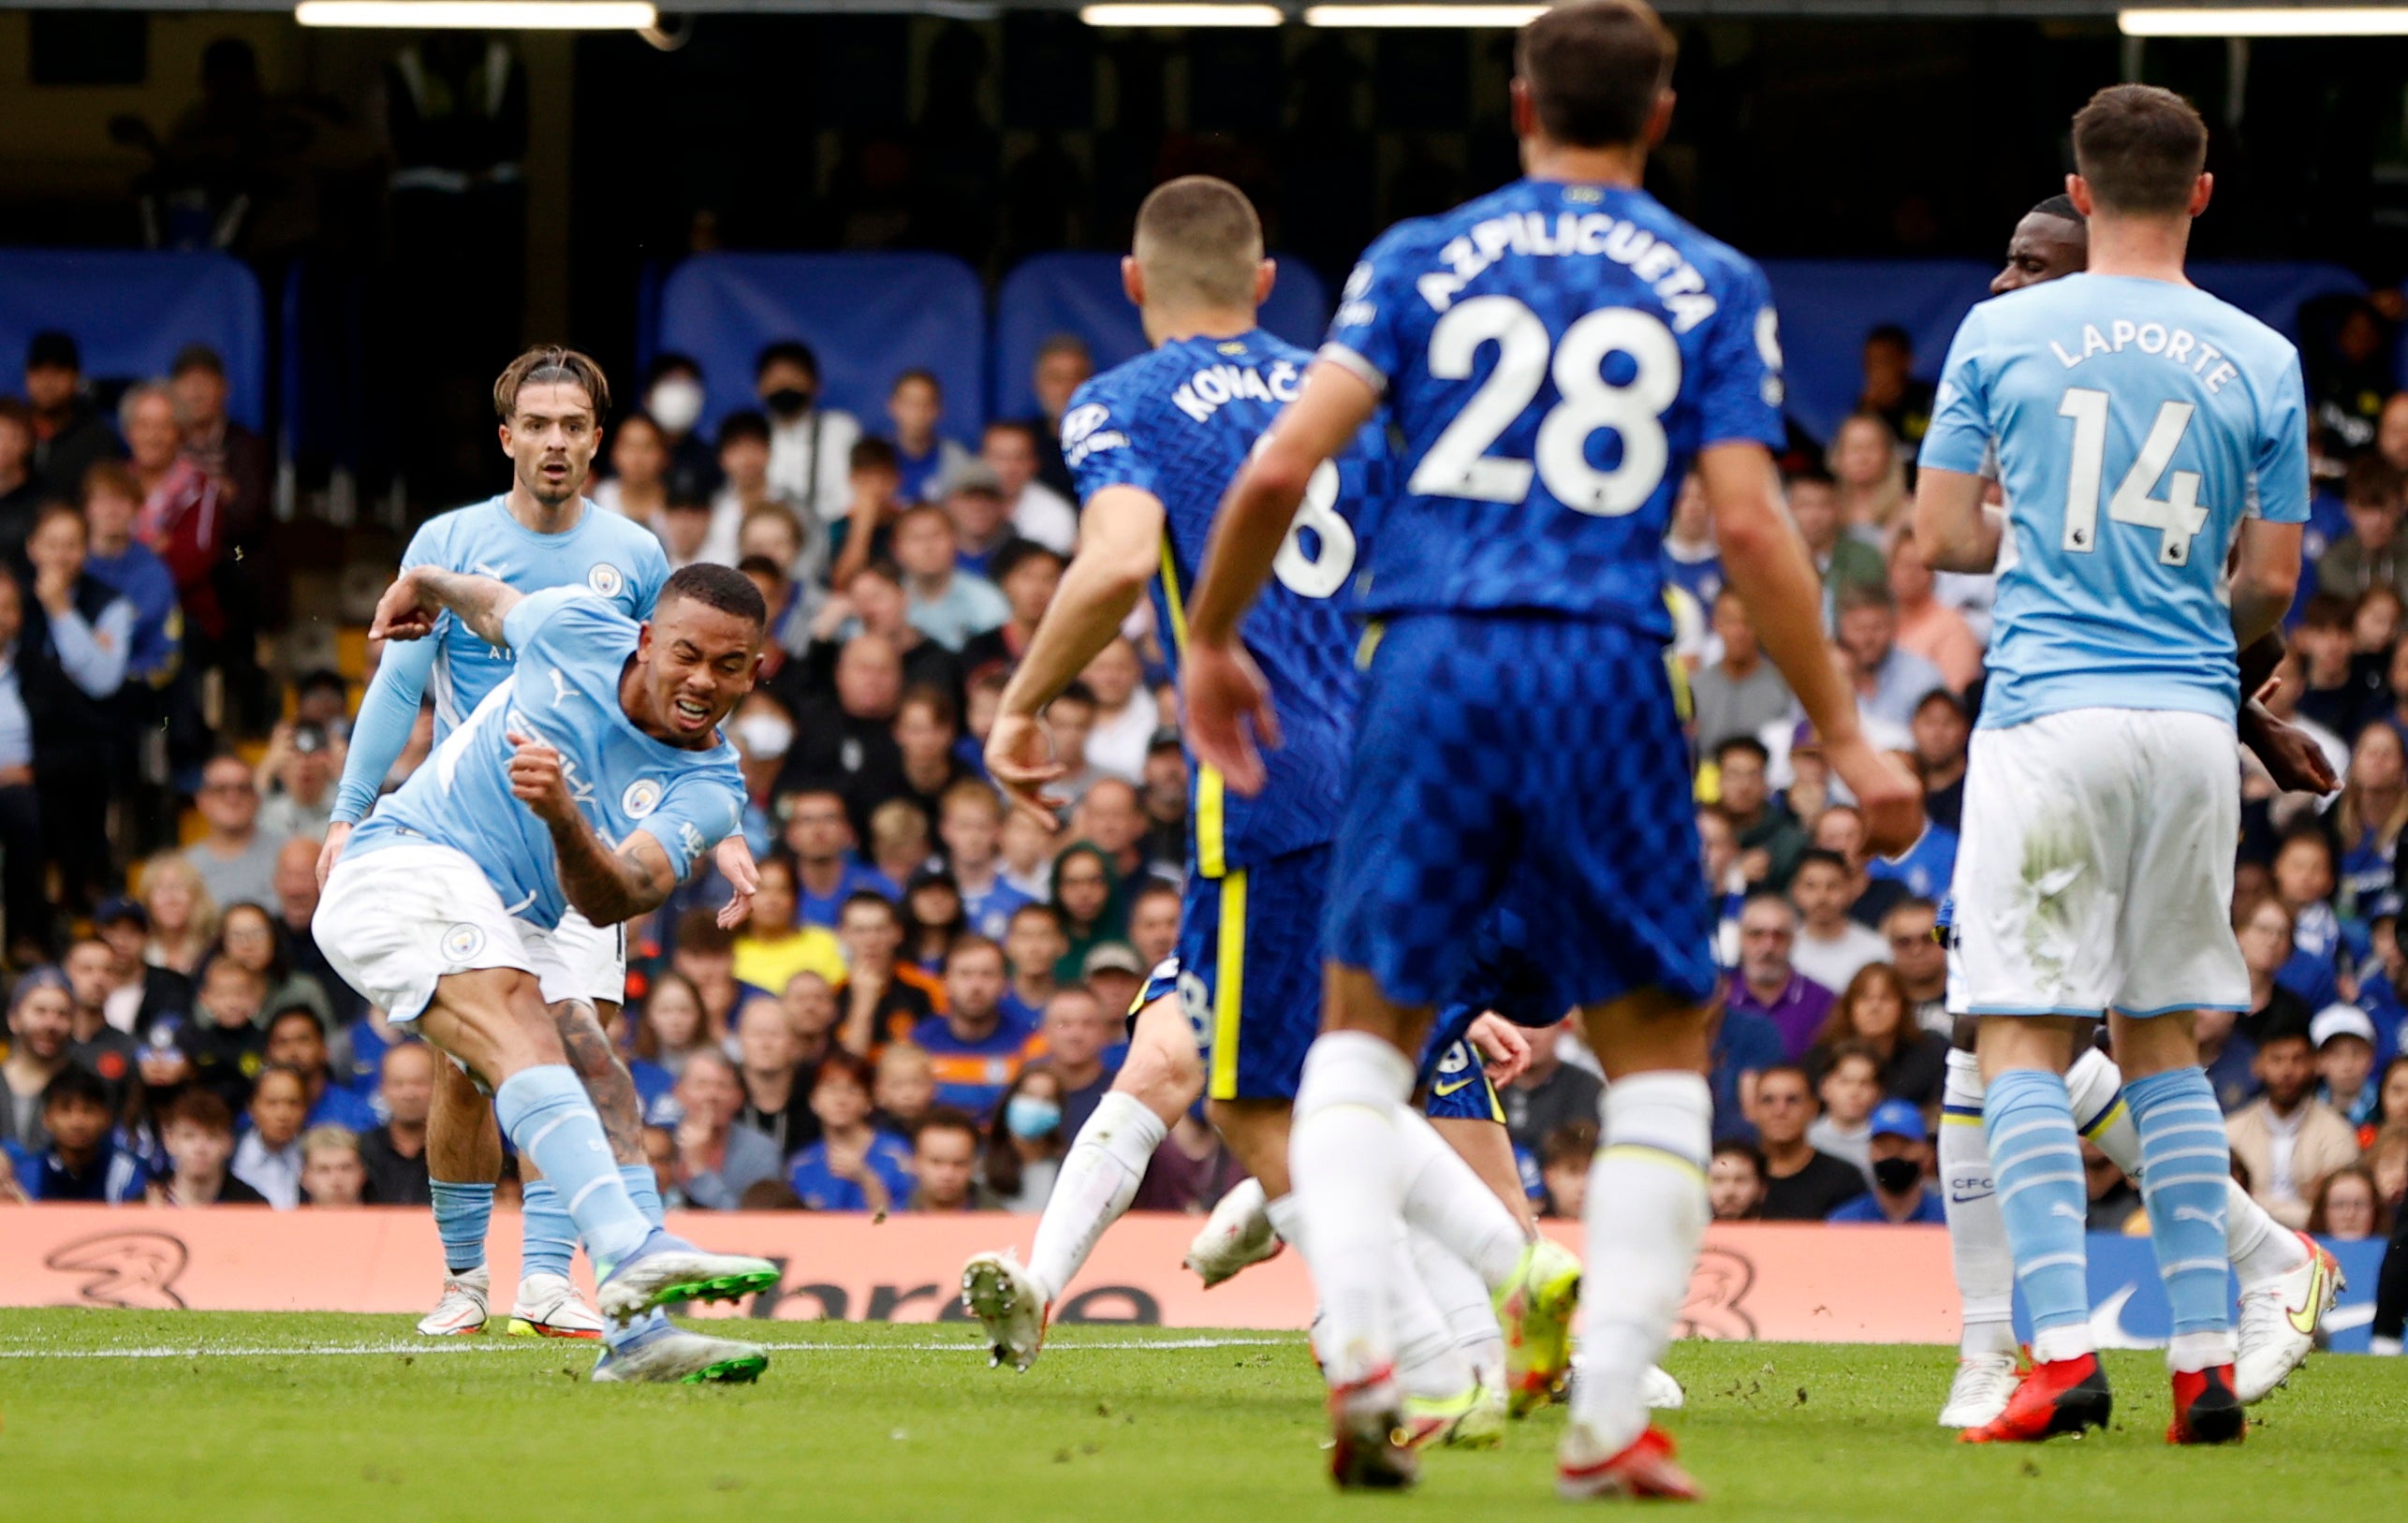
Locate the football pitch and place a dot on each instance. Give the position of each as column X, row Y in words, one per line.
column 224, row 1416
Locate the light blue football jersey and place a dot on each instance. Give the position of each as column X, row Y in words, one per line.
column 612, row 556
column 571, row 647
column 2136, row 423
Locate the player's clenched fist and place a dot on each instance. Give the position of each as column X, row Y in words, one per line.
column 405, row 613
column 537, row 782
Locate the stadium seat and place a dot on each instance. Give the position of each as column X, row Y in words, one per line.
column 868, row 317
column 1081, row 294
column 130, row 312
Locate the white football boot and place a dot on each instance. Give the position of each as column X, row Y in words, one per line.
column 460, row 1312
column 550, row 1307
column 1010, row 1304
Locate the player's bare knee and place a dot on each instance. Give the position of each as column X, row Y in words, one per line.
column 1163, row 1071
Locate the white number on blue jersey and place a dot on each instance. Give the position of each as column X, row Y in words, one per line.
column 1323, row 574
column 1459, row 464
column 2178, row 515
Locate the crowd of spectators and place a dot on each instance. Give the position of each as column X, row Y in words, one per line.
column 927, row 1001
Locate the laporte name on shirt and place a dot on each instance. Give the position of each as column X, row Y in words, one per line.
column 2173, row 344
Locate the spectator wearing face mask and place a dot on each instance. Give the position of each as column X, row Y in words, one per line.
column 1025, row 1142
column 673, row 398
column 811, row 446
column 1900, row 1145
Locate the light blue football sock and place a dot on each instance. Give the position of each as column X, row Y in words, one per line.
column 462, row 1214
column 549, row 1118
column 2185, row 1163
column 550, row 1238
column 2038, row 1161
column 645, row 1190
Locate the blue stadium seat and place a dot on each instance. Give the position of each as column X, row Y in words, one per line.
column 1081, row 294
column 868, row 317
column 130, row 312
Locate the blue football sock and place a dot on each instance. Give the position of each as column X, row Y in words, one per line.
column 2038, row 1161
column 547, row 1117
column 2185, row 1165
column 550, row 1236
column 462, row 1214
column 643, row 1189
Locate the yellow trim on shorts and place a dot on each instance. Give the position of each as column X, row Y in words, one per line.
column 1369, row 646
column 1229, row 995
column 1211, row 823
column 1496, row 1100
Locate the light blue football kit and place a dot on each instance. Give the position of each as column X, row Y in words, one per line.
column 2136, row 423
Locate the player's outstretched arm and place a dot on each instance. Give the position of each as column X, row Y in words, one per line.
column 1222, row 688
column 604, row 886
column 1953, row 528
column 409, row 608
column 1767, row 562
column 1120, row 546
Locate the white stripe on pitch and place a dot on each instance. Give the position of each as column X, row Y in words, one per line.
column 734, row 1326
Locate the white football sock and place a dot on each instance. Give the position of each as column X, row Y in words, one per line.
column 2261, row 1248
column 1098, row 1179
column 1977, row 1251
column 1645, row 1221
column 1464, row 1301
column 1445, row 1198
column 1428, row 1360
column 2096, row 1091
column 1343, row 1164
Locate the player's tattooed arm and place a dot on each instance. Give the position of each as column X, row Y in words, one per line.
column 410, row 607
column 606, row 1080
column 604, row 886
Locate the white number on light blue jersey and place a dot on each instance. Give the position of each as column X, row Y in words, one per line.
column 1318, row 575
column 2178, row 515
column 1459, row 463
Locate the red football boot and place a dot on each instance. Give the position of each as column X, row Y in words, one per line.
column 2065, row 1396
column 2206, row 1411
column 1644, row 1470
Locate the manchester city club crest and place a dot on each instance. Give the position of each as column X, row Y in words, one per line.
column 643, row 796
column 606, row 580
column 463, row 941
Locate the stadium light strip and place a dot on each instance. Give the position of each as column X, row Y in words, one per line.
column 1412, row 15
column 482, row 15
column 2285, row 21
column 1181, row 15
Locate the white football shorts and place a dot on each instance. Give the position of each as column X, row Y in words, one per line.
column 2094, row 869
column 393, row 922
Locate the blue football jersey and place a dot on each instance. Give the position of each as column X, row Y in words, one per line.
column 611, row 555
column 1552, row 357
column 571, row 647
column 2136, row 423
column 1177, row 423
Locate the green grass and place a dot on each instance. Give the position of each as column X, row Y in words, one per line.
column 875, row 1423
